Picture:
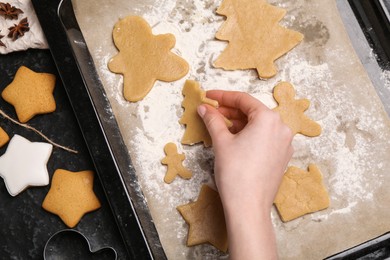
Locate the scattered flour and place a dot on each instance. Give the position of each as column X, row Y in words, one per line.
column 386, row 78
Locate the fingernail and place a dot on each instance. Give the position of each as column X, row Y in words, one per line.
column 201, row 110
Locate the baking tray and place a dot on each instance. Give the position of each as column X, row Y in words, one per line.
column 106, row 146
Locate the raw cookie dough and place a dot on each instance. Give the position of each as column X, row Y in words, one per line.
column 196, row 130
column 143, row 57
column 4, row 138
column 71, row 196
column 24, row 164
column 31, row 93
column 206, row 220
column 174, row 160
column 291, row 111
column 255, row 37
column 300, row 193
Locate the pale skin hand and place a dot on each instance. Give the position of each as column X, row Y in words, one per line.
column 250, row 160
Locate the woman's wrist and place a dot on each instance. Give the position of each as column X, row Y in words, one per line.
column 250, row 232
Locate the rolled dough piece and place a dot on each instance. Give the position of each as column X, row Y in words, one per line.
column 291, row 111
column 206, row 220
column 174, row 162
column 196, row 130
column 143, row 57
column 255, row 37
column 301, row 192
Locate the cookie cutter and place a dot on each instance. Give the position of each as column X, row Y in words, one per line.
column 72, row 244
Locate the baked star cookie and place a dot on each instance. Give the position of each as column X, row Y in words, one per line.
column 31, row 93
column 206, row 220
column 292, row 111
column 71, row 196
column 301, row 192
column 4, row 138
column 174, row 160
column 143, row 57
column 24, row 164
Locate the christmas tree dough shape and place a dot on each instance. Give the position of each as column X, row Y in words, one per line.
column 206, row 220
column 255, row 37
column 174, row 160
column 291, row 111
column 143, row 57
column 301, row 192
column 196, row 130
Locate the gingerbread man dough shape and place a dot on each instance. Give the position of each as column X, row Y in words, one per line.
column 143, row 57
column 174, row 162
column 291, row 111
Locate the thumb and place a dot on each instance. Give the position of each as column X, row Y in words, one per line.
column 213, row 120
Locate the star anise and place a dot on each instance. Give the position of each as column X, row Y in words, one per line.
column 1, row 43
column 18, row 30
column 9, row 11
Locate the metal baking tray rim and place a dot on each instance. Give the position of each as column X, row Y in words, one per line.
column 112, row 136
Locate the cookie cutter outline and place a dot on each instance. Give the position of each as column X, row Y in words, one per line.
column 52, row 237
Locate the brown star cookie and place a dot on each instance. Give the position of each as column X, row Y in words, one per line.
column 71, row 196
column 206, row 220
column 174, row 160
column 301, row 192
column 31, row 93
column 292, row 111
column 143, row 57
column 4, row 138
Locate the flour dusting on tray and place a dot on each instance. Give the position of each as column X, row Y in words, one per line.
column 353, row 152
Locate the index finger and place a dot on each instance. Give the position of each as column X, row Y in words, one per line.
column 236, row 99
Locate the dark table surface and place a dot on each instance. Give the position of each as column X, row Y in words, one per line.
column 25, row 226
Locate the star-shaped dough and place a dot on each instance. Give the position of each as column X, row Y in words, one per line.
column 300, row 193
column 24, row 164
column 206, row 220
column 31, row 93
column 292, row 110
column 4, row 138
column 71, row 196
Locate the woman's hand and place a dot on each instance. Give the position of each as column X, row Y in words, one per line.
column 250, row 160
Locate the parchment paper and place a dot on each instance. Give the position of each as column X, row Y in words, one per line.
column 353, row 151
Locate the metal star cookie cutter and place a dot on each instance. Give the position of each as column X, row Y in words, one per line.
column 72, row 244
